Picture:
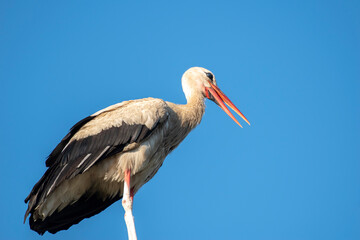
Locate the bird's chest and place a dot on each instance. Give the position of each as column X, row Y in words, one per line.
column 144, row 160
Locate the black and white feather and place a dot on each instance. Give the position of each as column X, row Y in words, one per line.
column 86, row 167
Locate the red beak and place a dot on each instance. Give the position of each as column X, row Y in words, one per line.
column 221, row 98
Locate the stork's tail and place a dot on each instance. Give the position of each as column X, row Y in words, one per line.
column 85, row 207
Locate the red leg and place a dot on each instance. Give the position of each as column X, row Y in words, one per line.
column 127, row 204
column 127, row 174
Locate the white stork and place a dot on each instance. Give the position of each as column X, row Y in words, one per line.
column 109, row 155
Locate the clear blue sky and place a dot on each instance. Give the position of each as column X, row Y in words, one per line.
column 292, row 67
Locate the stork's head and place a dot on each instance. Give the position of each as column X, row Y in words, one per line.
column 200, row 81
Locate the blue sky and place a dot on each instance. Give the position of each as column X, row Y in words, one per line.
column 292, row 67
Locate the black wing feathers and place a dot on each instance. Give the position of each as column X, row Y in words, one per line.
column 70, row 159
column 81, row 154
column 85, row 207
column 55, row 153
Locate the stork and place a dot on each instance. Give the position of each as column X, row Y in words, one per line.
column 111, row 154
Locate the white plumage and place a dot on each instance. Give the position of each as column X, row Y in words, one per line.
column 87, row 170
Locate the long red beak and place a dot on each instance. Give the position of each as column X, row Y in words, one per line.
column 221, row 98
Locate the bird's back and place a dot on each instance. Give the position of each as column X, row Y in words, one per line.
column 85, row 170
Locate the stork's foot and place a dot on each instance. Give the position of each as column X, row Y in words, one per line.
column 127, row 202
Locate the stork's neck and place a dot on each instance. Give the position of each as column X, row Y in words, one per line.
column 193, row 111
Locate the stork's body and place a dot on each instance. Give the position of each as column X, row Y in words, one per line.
column 87, row 170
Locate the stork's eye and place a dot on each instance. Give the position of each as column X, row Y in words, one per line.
column 210, row 76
